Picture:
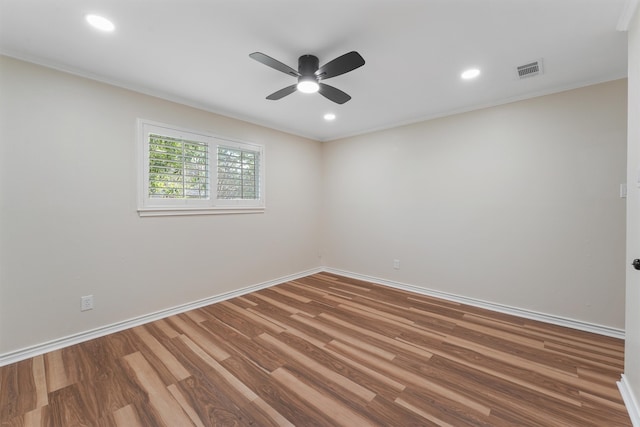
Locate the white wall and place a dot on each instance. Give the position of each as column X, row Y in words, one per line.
column 516, row 204
column 69, row 225
column 632, row 342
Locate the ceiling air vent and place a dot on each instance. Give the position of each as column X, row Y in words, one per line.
column 530, row 70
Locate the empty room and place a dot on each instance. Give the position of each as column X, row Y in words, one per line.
column 339, row 213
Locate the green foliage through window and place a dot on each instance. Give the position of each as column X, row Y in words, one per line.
column 178, row 169
column 238, row 173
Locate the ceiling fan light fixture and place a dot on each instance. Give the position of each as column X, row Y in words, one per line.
column 308, row 85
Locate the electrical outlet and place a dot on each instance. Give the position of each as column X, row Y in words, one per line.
column 396, row 264
column 86, row 303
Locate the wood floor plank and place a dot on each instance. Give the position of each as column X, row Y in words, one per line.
column 499, row 394
column 213, row 403
column 191, row 413
column 57, row 377
column 168, row 409
column 272, row 413
column 410, row 378
column 325, row 350
column 40, row 381
column 166, row 329
column 318, row 368
column 236, row 318
column 33, row 418
column 283, row 400
column 383, row 341
column 341, row 414
column 281, row 305
column 347, row 337
column 369, row 379
column 231, row 380
column 168, row 359
column 199, row 334
column 69, row 406
column 126, row 417
column 217, row 403
column 241, row 344
column 507, row 354
column 291, row 324
column 293, row 295
column 566, row 391
column 259, row 321
column 197, row 315
column 17, row 390
column 424, row 414
column 388, row 384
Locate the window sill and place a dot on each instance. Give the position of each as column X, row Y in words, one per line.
column 171, row 211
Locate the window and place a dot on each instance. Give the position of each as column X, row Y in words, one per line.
column 238, row 173
column 178, row 168
column 185, row 172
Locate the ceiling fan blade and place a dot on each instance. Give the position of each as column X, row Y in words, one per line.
column 276, row 65
column 342, row 64
column 333, row 94
column 282, row 93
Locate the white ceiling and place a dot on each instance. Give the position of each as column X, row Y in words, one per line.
column 197, row 52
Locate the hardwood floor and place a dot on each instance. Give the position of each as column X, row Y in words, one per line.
column 324, row 350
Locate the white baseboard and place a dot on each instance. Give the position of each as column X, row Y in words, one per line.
column 35, row 350
column 527, row 314
column 629, row 401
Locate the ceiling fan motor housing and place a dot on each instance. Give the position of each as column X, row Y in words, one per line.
column 308, row 65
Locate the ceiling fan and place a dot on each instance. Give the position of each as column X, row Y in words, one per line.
column 310, row 76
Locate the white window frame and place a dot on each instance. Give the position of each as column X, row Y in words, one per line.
column 148, row 206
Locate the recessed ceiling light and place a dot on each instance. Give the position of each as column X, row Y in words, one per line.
column 471, row 73
column 100, row 22
column 329, row 116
